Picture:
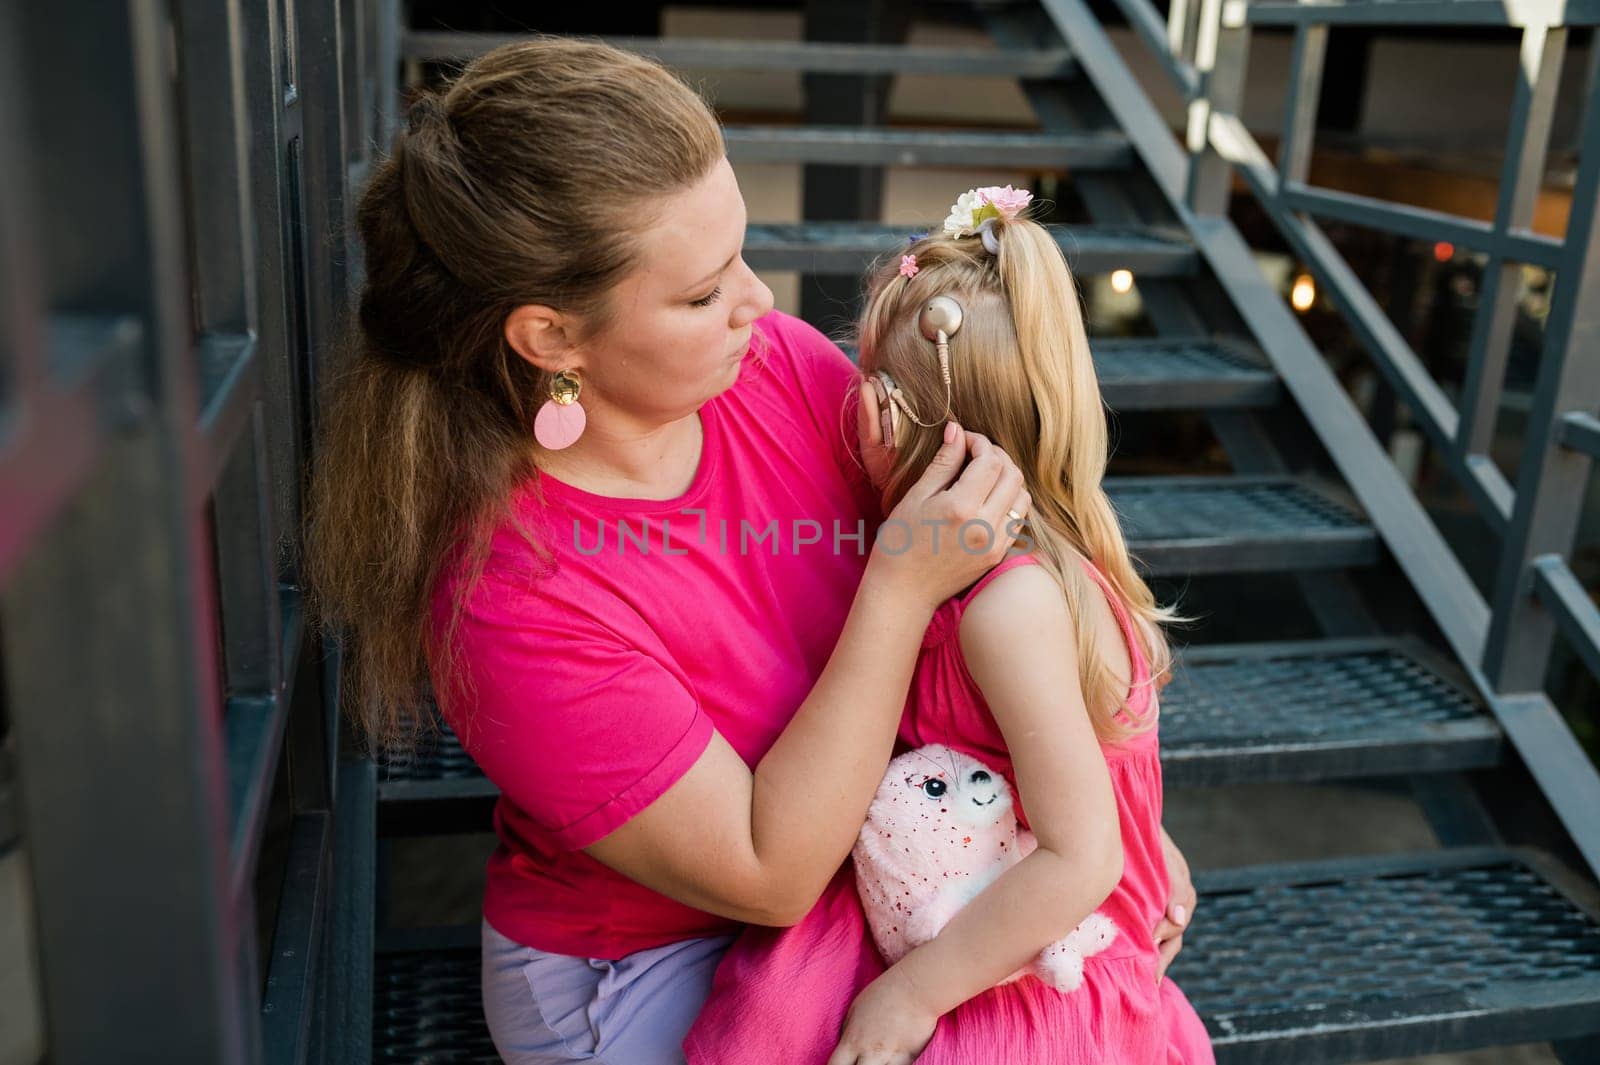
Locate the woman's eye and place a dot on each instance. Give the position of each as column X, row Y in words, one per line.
column 934, row 788
column 708, row 300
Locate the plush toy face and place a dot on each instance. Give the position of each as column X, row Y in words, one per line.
column 939, row 831
column 946, row 786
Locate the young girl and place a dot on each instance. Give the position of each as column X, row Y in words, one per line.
column 1047, row 670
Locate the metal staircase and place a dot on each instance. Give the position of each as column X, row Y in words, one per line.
column 1481, row 942
column 179, row 444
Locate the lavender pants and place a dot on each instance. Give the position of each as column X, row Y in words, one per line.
column 544, row 1008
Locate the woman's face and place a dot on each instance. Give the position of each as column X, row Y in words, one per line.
column 682, row 319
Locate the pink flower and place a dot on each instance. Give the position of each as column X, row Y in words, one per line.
column 908, row 266
column 1008, row 201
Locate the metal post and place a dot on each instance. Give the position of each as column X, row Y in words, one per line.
column 1551, row 479
column 1221, row 54
column 1532, row 111
column 845, row 193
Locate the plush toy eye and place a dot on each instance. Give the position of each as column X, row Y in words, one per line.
column 980, row 777
column 934, row 787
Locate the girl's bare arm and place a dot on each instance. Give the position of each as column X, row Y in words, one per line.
column 1019, row 645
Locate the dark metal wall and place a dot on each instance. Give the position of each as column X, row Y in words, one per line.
column 174, row 259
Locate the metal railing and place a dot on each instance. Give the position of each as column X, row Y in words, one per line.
column 1504, row 642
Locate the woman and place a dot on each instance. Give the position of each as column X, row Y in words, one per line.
column 664, row 628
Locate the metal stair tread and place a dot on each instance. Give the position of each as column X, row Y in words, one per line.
column 1320, row 709
column 1181, row 373
column 713, row 53
column 1175, row 373
column 1293, row 710
column 896, row 146
column 1237, row 524
column 1335, row 960
column 849, row 247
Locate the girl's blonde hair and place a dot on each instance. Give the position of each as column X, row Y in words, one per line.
column 1020, row 374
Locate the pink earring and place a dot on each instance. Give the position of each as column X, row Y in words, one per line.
column 561, row 420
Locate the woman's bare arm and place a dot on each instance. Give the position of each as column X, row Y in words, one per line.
column 761, row 846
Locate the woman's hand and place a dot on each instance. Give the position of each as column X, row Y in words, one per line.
column 1181, row 899
column 886, row 1025
column 952, row 525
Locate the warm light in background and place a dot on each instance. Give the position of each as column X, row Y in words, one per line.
column 1122, row 282
column 1443, row 251
column 1304, row 293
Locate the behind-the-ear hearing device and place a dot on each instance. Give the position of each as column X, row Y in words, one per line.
column 939, row 321
column 888, row 412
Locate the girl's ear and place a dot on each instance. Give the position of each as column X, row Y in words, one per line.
column 870, row 424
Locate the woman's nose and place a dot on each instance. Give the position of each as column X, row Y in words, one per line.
column 757, row 299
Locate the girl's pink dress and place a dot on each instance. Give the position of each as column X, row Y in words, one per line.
column 781, row 994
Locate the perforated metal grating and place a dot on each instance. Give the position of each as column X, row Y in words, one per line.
column 428, row 1010
column 438, row 759
column 921, row 147
column 1405, row 935
column 1316, row 709
column 1171, row 360
column 1304, row 693
column 1300, row 710
column 851, row 246
column 1371, row 943
column 1391, row 954
column 1211, row 507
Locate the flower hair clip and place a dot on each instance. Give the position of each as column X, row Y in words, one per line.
column 976, row 210
column 908, row 266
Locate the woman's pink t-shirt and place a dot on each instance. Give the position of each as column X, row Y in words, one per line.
column 599, row 677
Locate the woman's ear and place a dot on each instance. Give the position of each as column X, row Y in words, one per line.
column 544, row 337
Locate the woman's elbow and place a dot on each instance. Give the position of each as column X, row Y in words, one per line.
column 785, row 909
column 783, row 918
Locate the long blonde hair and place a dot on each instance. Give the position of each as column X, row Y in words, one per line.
column 1020, row 374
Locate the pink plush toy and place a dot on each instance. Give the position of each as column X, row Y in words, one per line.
column 939, row 831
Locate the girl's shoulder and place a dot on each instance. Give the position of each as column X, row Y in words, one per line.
column 1005, row 565
column 946, row 620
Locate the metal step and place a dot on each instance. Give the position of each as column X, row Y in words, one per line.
column 849, row 247
column 1162, row 373
column 1434, row 14
column 1320, row 710
column 769, row 56
column 1330, row 961
column 1176, row 373
column 857, row 146
column 1370, row 958
column 1237, row 524
column 1284, row 711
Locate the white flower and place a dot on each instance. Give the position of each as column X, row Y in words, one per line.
column 960, row 221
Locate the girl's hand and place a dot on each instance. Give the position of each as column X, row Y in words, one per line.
column 1181, row 901
column 952, row 526
column 886, row 1025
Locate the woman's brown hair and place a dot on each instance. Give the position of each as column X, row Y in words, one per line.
column 527, row 180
